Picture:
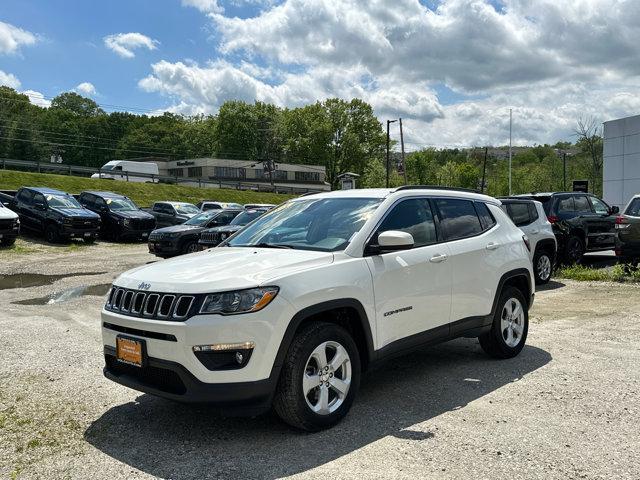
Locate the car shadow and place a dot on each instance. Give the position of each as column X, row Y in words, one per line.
column 172, row 440
column 550, row 285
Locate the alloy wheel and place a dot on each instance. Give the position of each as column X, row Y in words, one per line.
column 544, row 267
column 512, row 322
column 327, row 378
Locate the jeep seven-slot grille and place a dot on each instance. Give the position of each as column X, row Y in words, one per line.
column 154, row 305
column 209, row 237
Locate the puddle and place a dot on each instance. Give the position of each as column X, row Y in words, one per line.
column 67, row 295
column 24, row 280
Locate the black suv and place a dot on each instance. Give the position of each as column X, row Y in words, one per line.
column 58, row 215
column 121, row 218
column 178, row 239
column 581, row 222
column 213, row 236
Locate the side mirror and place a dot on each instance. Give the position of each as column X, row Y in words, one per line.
column 614, row 210
column 392, row 241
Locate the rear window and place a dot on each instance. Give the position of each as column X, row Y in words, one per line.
column 546, row 204
column 486, row 219
column 634, row 208
column 519, row 213
column 458, row 218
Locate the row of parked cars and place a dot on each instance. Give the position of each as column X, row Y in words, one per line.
column 60, row 216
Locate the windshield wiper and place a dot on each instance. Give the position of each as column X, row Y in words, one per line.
column 265, row 245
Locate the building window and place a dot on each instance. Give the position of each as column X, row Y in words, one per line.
column 176, row 172
column 281, row 175
column 194, row 172
column 308, row 176
column 229, row 172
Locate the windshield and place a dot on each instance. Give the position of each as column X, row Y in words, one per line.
column 62, row 201
column 202, row 218
column 107, row 167
column 246, row 217
column 186, row 208
column 121, row 204
column 633, row 209
column 325, row 225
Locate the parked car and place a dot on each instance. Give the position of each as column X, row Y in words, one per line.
column 251, row 206
column 9, row 226
column 530, row 217
column 292, row 321
column 172, row 213
column 581, row 222
column 129, row 171
column 213, row 236
column 178, row 239
column 121, row 217
column 213, row 205
column 56, row 214
column 628, row 228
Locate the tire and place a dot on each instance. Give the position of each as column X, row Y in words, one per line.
column 290, row 402
column 507, row 338
column 542, row 267
column 7, row 242
column 51, row 234
column 190, row 246
column 89, row 241
column 574, row 250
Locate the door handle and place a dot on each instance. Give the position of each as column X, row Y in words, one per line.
column 438, row 258
column 534, row 231
column 493, row 246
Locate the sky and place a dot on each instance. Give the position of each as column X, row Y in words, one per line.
column 451, row 69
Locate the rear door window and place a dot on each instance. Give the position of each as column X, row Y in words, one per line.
column 565, row 204
column 458, row 218
column 519, row 213
column 581, row 203
column 486, row 219
column 25, row 196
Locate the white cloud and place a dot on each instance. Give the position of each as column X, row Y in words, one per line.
column 12, row 38
column 37, row 98
column 124, row 44
column 552, row 61
column 9, row 80
column 86, row 88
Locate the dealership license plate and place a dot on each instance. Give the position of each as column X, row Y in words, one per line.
column 145, row 235
column 130, row 351
column 87, row 234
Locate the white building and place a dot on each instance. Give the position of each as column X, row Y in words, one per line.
column 621, row 156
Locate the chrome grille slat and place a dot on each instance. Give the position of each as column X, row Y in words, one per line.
column 137, row 303
column 181, row 299
column 138, row 295
column 156, row 298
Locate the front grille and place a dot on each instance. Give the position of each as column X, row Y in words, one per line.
column 157, row 236
column 7, row 224
column 209, row 237
column 143, row 223
column 158, row 306
column 155, row 377
column 84, row 223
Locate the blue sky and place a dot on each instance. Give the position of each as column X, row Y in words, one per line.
column 451, row 69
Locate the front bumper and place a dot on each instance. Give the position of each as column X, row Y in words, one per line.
column 73, row 232
column 137, row 234
column 163, row 247
column 9, row 233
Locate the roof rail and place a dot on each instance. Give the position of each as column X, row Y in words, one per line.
column 435, row 187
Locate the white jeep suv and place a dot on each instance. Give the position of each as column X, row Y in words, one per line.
column 289, row 311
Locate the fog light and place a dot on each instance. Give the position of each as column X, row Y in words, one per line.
column 224, row 356
column 224, row 347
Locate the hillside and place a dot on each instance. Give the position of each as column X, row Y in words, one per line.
column 144, row 194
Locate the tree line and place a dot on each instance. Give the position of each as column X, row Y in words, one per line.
column 338, row 134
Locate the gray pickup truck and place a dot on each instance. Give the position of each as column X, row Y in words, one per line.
column 172, row 213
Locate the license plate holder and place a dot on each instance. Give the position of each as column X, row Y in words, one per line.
column 132, row 351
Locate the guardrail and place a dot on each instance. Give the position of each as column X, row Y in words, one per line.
column 80, row 171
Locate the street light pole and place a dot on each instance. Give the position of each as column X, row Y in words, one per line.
column 389, row 122
column 510, row 153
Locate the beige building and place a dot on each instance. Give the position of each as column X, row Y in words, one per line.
column 251, row 175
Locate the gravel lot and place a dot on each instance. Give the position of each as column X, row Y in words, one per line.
column 567, row 407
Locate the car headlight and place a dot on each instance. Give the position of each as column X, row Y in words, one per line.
column 126, row 222
column 16, row 221
column 223, row 236
column 240, row 301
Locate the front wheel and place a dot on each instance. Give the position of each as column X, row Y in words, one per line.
column 190, row 247
column 510, row 326
column 319, row 378
column 51, row 234
column 574, row 250
column 542, row 267
column 7, row 242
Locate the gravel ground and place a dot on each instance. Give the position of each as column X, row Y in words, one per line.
column 565, row 408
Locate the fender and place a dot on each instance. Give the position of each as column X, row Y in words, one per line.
column 518, row 272
column 312, row 310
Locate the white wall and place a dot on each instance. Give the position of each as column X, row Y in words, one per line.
column 621, row 172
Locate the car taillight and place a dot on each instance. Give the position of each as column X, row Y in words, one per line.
column 622, row 222
column 526, row 242
column 552, row 219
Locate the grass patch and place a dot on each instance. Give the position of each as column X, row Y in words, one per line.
column 618, row 273
column 144, row 194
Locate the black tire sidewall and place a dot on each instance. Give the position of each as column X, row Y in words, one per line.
column 568, row 255
column 51, row 234
column 335, row 333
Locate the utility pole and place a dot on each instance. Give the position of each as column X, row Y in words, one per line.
column 510, row 142
column 484, row 169
column 564, row 171
column 389, row 122
column 404, row 166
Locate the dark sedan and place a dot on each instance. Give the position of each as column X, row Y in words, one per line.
column 213, row 236
column 628, row 229
column 178, row 239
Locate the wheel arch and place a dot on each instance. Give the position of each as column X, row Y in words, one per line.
column 547, row 245
column 349, row 313
column 518, row 278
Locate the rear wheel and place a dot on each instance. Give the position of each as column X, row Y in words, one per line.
column 574, row 250
column 7, row 242
column 319, row 378
column 51, row 233
column 510, row 326
column 190, row 247
column 542, row 266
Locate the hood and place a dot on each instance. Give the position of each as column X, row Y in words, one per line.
column 225, row 228
column 178, row 228
column 221, row 269
column 187, row 215
column 76, row 212
column 5, row 213
column 133, row 214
